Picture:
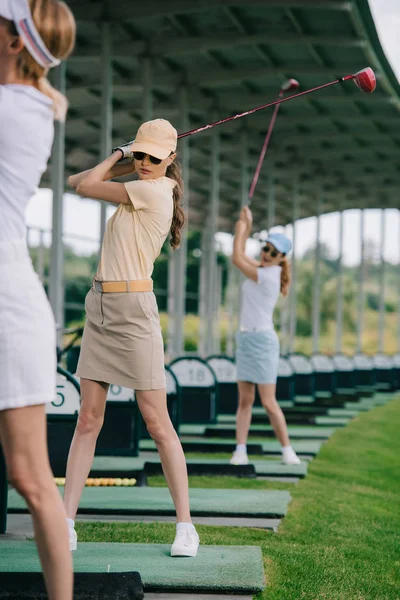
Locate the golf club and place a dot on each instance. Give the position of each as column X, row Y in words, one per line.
column 290, row 84
column 364, row 79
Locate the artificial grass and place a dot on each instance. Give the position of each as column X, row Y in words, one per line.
column 340, row 539
column 223, row 568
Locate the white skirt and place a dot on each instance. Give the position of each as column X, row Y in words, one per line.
column 27, row 332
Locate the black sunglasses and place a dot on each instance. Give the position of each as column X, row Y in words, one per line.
column 142, row 155
column 269, row 250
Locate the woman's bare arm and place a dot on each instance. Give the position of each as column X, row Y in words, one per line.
column 118, row 170
column 239, row 258
column 93, row 185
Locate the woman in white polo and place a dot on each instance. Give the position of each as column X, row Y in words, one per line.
column 257, row 354
column 122, row 342
column 34, row 36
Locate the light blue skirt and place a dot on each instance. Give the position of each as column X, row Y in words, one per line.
column 257, row 356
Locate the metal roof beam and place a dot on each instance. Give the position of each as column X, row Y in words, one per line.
column 118, row 11
column 193, row 45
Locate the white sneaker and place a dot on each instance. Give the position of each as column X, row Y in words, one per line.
column 289, row 457
column 186, row 543
column 73, row 540
column 239, row 458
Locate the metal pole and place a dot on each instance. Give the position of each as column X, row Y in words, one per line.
column 361, row 299
column 245, row 179
column 202, row 292
column 271, row 199
column 293, row 287
column 381, row 325
column 106, row 109
column 178, row 258
column 147, row 88
column 56, row 287
column 217, row 310
column 212, row 228
column 398, row 286
column 230, row 309
column 3, row 493
column 317, row 282
column 339, row 288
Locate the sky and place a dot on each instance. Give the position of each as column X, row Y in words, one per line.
column 386, row 14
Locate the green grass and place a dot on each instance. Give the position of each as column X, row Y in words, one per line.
column 341, row 537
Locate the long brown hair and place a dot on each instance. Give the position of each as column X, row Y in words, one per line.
column 174, row 171
column 285, row 276
column 56, row 26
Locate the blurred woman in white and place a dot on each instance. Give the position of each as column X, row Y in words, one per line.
column 257, row 356
column 34, row 36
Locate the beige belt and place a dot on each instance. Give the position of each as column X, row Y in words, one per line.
column 143, row 285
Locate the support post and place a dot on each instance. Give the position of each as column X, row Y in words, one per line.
column 293, row 287
column 271, row 199
column 230, row 309
column 56, row 285
column 317, row 281
column 202, row 292
column 398, row 286
column 106, row 109
column 211, row 263
column 361, row 299
column 339, row 288
column 178, row 258
column 381, row 325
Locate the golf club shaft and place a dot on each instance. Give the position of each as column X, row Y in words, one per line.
column 254, row 110
column 263, row 152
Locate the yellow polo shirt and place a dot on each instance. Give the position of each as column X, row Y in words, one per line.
column 136, row 232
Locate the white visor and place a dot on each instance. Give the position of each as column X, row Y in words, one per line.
column 18, row 11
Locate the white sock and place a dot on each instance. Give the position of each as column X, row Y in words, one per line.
column 241, row 448
column 71, row 523
column 182, row 526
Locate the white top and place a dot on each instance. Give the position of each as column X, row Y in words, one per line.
column 26, row 138
column 259, row 300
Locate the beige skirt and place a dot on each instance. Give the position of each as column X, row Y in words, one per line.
column 122, row 342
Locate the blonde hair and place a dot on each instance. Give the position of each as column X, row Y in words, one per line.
column 174, row 171
column 57, row 28
column 285, row 277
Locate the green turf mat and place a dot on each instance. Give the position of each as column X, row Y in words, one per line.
column 271, row 447
column 332, row 421
column 304, row 400
column 345, row 413
column 151, row 501
column 311, row 432
column 118, row 463
column 190, row 429
column 269, row 468
column 301, row 447
column 225, row 569
column 323, row 394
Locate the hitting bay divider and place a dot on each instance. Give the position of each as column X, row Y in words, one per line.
column 157, row 501
column 221, row 569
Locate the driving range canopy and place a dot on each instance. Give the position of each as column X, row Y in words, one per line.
column 216, row 58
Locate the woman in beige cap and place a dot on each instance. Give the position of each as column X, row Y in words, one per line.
column 35, row 36
column 122, row 342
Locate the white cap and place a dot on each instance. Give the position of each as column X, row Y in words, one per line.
column 19, row 12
